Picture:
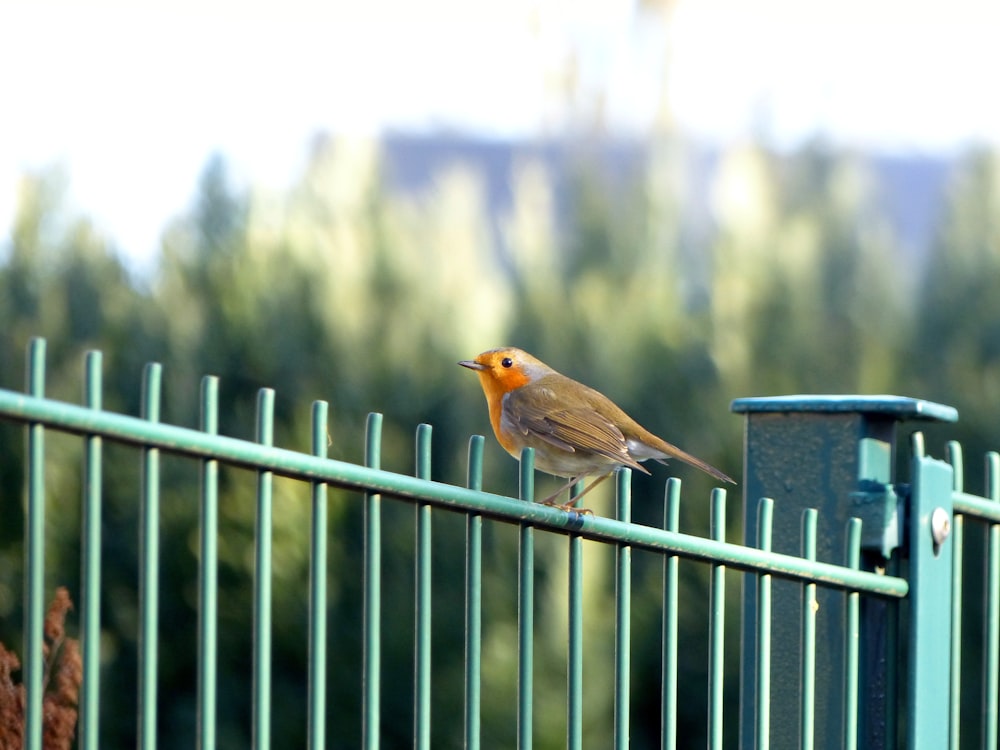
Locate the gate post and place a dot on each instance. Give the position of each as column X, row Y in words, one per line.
column 835, row 454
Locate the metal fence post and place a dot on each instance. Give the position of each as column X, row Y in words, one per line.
column 834, row 454
column 929, row 644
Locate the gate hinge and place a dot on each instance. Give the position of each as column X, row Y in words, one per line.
column 880, row 508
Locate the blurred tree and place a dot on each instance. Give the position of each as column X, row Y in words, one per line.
column 339, row 288
column 955, row 356
column 803, row 297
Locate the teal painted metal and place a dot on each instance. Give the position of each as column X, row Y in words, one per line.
column 149, row 563
column 262, row 603
column 574, row 655
column 623, row 614
column 973, row 506
column 955, row 712
column 810, row 604
column 372, row 625
column 896, row 408
column 876, row 502
column 859, row 447
column 90, row 564
column 954, row 453
column 671, row 522
column 370, row 479
column 931, row 554
column 834, row 454
column 991, row 678
column 317, row 586
column 474, row 601
column 208, row 573
column 852, row 638
column 34, row 553
column 717, row 627
column 526, row 609
column 422, row 615
column 765, row 522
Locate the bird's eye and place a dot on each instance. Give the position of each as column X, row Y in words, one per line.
column 507, row 362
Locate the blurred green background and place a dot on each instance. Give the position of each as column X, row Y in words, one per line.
column 342, row 289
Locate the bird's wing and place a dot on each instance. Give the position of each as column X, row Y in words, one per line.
column 571, row 428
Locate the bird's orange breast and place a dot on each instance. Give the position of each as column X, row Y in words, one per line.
column 495, row 388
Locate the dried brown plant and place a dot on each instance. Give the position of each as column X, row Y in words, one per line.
column 11, row 702
column 63, row 673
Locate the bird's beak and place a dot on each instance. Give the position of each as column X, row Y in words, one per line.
column 472, row 364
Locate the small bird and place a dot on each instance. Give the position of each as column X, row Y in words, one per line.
column 575, row 430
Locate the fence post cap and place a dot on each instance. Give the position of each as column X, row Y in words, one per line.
column 899, row 408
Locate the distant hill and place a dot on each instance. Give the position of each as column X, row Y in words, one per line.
column 910, row 189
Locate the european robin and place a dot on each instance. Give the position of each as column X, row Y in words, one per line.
column 576, row 431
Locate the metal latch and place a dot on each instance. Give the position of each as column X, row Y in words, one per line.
column 880, row 508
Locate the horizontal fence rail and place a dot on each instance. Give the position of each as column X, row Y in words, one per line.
column 188, row 442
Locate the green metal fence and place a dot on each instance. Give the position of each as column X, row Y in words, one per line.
column 852, row 594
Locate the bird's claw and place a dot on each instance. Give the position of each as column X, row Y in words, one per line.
column 569, row 506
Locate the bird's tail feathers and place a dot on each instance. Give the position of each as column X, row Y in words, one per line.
column 673, row 451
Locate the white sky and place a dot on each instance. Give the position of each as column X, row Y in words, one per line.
column 132, row 96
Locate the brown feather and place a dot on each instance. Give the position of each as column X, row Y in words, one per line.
column 568, row 423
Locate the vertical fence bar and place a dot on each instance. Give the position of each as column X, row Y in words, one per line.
column 208, row 576
column 473, row 601
column 317, row 586
column 526, row 608
column 991, row 648
column 807, row 708
column 574, row 655
column 716, row 626
column 34, row 553
column 890, row 698
column 90, row 612
column 671, row 522
column 623, row 613
column 149, row 563
column 422, row 605
column 852, row 638
column 954, row 452
column 765, row 515
column 372, row 635
column 262, row 580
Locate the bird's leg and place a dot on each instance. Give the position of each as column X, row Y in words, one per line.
column 571, row 503
column 551, row 499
